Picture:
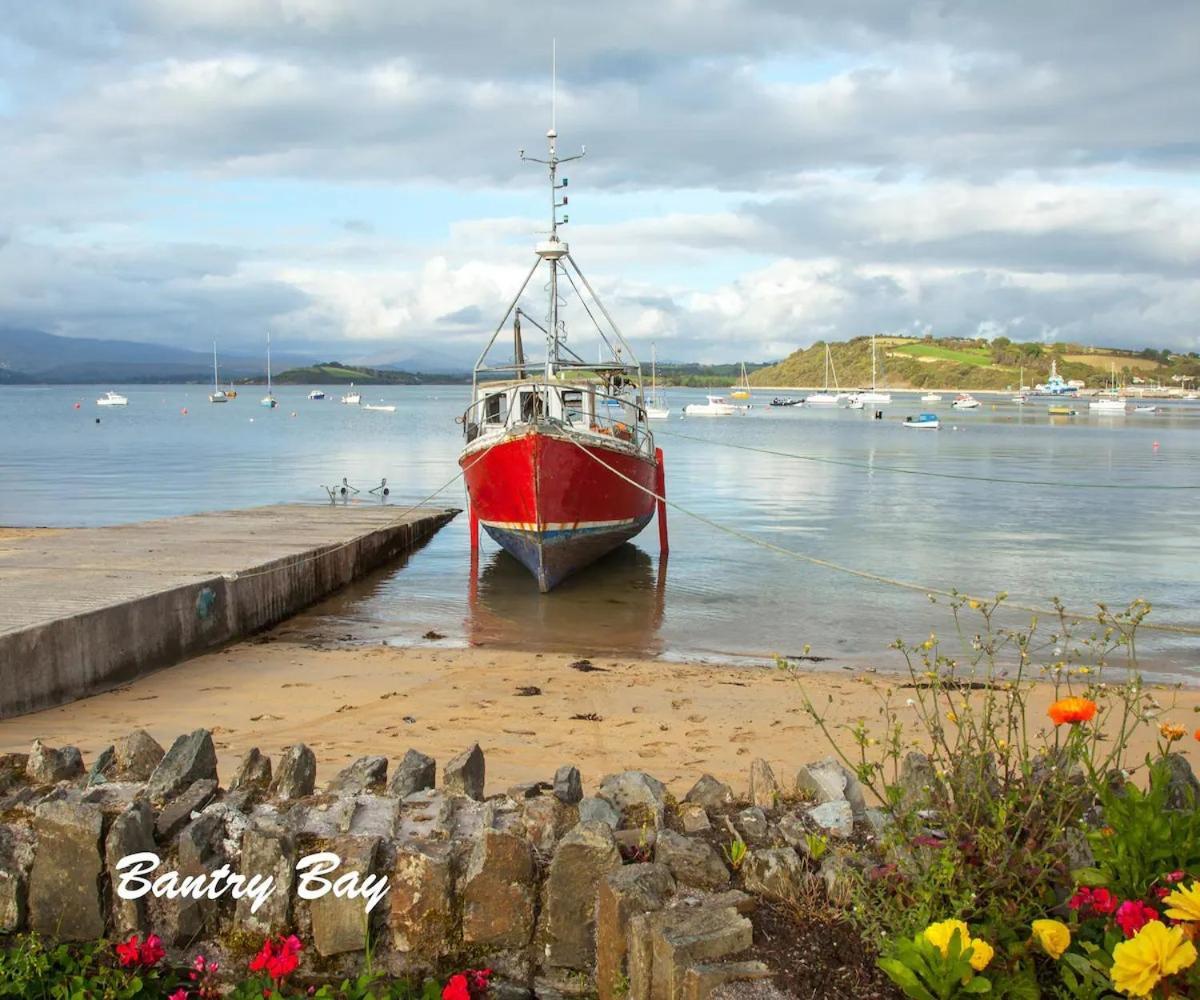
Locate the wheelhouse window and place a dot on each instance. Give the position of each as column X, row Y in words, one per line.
column 495, row 408
column 573, row 410
column 531, row 405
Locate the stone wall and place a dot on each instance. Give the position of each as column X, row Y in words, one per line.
column 622, row 893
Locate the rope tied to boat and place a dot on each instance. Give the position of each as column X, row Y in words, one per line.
column 860, row 573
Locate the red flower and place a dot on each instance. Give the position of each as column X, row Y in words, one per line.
column 1103, row 901
column 1133, row 915
column 278, row 956
column 152, row 950
column 1175, row 876
column 456, row 988
column 128, row 951
column 179, row 994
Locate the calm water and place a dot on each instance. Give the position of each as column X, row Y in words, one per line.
column 716, row 597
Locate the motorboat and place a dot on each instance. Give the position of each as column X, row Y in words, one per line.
column 855, row 403
column 787, row 401
column 269, row 400
column 111, row 398
column 965, row 401
column 381, row 407
column 923, row 422
column 817, row 399
column 353, row 397
column 1058, row 410
column 316, row 394
column 931, row 397
column 1147, row 409
column 717, row 406
column 218, row 395
column 656, row 404
column 555, row 476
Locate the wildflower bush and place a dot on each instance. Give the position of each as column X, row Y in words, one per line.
column 136, row 968
column 1027, row 855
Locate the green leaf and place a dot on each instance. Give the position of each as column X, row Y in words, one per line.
column 977, row 984
column 1091, row 877
column 905, row 978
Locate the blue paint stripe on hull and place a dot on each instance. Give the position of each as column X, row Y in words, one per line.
column 552, row 556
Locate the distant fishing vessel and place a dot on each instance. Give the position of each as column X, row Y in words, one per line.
column 825, row 397
column 786, row 401
column 381, row 407
column 353, row 397
column 656, row 405
column 1055, row 385
column 218, row 395
column 269, row 399
column 742, row 389
column 111, row 398
column 923, row 422
column 931, row 397
column 965, row 401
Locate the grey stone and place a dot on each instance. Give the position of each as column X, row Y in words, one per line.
column 693, row 818
column 920, row 787
column 102, row 767
column 752, row 822
column 191, row 758
column 16, row 856
column 691, row 862
column 64, row 882
column 710, row 793
column 340, row 925
column 373, row 816
column 132, row 832
column 764, row 789
column 836, row 818
column 593, row 810
column 498, row 892
column 626, row 893
column 702, row 981
column 414, row 773
column 773, row 871
column 201, row 841
column 136, row 756
column 794, row 831
column 296, row 776
column 877, row 820
column 527, row 790
column 828, row 780
column 1183, row 790
column 48, row 766
column 640, row 798
column 836, row 875
column 545, row 820
column 465, row 774
column 367, row 774
column 422, row 911
column 13, row 771
column 568, row 785
column 253, row 772
column 270, row 853
column 681, row 939
column 178, row 811
column 568, row 925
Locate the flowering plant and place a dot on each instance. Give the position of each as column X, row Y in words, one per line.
column 135, row 953
column 940, row 963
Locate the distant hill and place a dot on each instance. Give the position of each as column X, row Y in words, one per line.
column 336, row 373
column 911, row 363
column 702, row 376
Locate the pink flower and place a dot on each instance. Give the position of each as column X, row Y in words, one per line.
column 1132, row 915
column 456, row 988
column 198, row 964
column 1175, row 876
column 179, row 994
column 152, row 950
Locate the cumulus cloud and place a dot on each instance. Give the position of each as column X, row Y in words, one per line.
column 966, row 167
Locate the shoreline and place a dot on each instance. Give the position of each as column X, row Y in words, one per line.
column 530, row 712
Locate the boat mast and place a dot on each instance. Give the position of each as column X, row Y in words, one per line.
column 215, row 390
column 268, row 362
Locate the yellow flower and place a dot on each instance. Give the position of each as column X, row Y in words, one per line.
column 1002, row 745
column 981, row 954
column 1140, row 963
column 939, row 935
column 1053, row 936
column 1171, row 732
column 952, row 716
column 1184, row 904
column 973, row 604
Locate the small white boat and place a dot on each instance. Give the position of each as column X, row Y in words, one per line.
column 218, row 395
column 821, row 399
column 111, row 398
column 352, row 398
column 825, row 397
column 874, row 397
column 1107, row 405
column 269, row 400
column 1146, row 409
column 965, row 401
column 656, row 405
column 381, row 407
column 316, row 394
column 931, row 397
column 1020, row 399
column 923, row 422
column 717, row 406
column 855, row 403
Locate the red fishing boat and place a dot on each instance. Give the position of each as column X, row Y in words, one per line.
column 559, row 461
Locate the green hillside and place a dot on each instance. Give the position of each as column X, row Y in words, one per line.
column 336, row 373
column 971, row 364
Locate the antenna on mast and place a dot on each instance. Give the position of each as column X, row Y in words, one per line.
column 553, row 84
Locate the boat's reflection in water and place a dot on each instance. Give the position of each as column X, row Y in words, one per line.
column 614, row 606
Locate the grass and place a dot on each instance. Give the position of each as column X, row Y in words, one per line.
column 1103, row 361
column 981, row 358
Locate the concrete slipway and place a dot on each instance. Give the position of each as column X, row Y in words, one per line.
column 83, row 610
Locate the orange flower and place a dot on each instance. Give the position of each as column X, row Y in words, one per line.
column 1171, row 733
column 1072, row 710
column 1197, row 734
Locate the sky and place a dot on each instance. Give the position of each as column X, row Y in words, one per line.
column 760, row 174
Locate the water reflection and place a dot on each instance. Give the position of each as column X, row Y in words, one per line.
column 623, row 594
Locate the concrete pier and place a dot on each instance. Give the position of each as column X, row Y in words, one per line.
column 84, row 610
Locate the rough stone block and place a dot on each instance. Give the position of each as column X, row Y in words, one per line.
column 422, row 917
column 465, row 774
column 340, row 925
column 595, row 810
column 568, row 927
column 132, row 832
column 701, row 981
column 764, row 789
column 710, row 793
column 691, row 862
column 699, row 936
column 829, row 780
column 693, row 818
column 415, row 773
column 834, row 818
column 135, row 757
column 178, row 812
column 48, row 766
column 627, row 892
column 568, row 785
column 270, row 853
column 296, row 776
column 640, row 798
column 64, row 883
column 498, row 892
column 367, row 774
column 773, row 871
column 253, row 772
column 16, row 855
column 191, row 758
column 753, row 824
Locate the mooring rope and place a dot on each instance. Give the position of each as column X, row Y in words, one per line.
column 870, row 466
column 862, row 573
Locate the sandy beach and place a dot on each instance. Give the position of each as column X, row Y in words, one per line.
column 530, row 712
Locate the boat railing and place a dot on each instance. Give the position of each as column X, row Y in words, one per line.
column 628, row 424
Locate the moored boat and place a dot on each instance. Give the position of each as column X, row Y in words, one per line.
column 218, row 395
column 787, row 401
column 353, row 397
column 111, row 398
column 923, row 422
column 656, row 403
column 559, row 461
column 316, row 394
column 380, row 407
column 269, row 400
column 965, row 401
column 931, row 397
column 716, row 406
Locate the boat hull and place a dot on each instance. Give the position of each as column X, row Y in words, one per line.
column 548, row 503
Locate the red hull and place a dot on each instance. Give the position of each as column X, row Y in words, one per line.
column 555, row 508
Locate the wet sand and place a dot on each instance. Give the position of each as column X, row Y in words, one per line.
column 675, row 720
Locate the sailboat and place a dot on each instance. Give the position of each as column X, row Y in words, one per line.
column 1021, row 398
column 825, row 398
column 656, row 405
column 218, row 395
column 742, row 389
column 874, row 396
column 269, row 399
column 1114, row 402
column 559, row 461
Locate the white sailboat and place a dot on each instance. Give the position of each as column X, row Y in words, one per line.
column 218, row 395
column 1113, row 403
column 1021, row 398
column 874, row 396
column 825, row 398
column 269, row 399
column 656, row 405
